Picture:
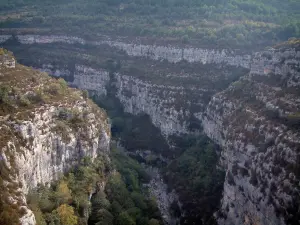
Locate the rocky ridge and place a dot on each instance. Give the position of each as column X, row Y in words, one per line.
column 256, row 122
column 47, row 130
column 170, row 53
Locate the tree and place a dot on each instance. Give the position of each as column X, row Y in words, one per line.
column 63, row 192
column 125, row 219
column 153, row 222
column 104, row 217
column 66, row 215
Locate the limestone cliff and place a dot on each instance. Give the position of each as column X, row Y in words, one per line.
column 46, row 128
column 170, row 103
column 256, row 121
column 169, row 87
column 153, row 51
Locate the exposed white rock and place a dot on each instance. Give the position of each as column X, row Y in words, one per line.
column 175, row 54
column 4, row 38
column 259, row 151
column 158, row 101
column 48, row 153
column 45, row 39
column 164, row 199
column 170, row 53
column 91, row 79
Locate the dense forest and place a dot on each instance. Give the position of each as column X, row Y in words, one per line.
column 230, row 23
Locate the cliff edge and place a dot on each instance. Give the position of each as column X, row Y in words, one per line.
column 46, row 128
column 256, row 121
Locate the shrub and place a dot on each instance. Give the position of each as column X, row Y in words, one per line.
column 64, row 114
column 4, row 90
column 85, row 94
column 53, row 89
column 24, row 101
column 62, row 129
column 63, row 84
column 37, row 97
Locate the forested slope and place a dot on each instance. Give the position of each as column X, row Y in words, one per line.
column 233, row 23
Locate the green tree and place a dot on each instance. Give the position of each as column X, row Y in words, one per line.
column 67, row 215
column 153, row 222
column 4, row 94
column 63, row 192
column 104, row 217
column 124, row 219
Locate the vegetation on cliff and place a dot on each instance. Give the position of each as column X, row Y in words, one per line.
column 25, row 92
column 119, row 198
column 197, row 179
column 24, row 95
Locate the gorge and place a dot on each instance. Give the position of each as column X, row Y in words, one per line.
column 247, row 104
column 156, row 112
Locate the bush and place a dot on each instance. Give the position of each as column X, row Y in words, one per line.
column 63, row 84
column 24, row 101
column 37, row 97
column 54, row 89
column 85, row 94
column 4, row 90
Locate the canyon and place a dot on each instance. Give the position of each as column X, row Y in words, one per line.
column 247, row 103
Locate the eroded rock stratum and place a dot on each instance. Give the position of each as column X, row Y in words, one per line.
column 247, row 104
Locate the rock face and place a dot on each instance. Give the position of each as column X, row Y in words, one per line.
column 172, row 54
column 164, row 199
column 170, row 106
column 255, row 119
column 158, row 101
column 256, row 122
column 170, row 93
column 175, row 54
column 44, row 143
column 50, row 154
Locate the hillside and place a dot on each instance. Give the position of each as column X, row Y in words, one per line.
column 229, row 24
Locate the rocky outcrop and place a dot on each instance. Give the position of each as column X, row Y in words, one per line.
column 164, row 199
column 256, row 122
column 42, row 142
column 173, row 54
column 160, row 102
column 169, row 83
column 170, row 107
